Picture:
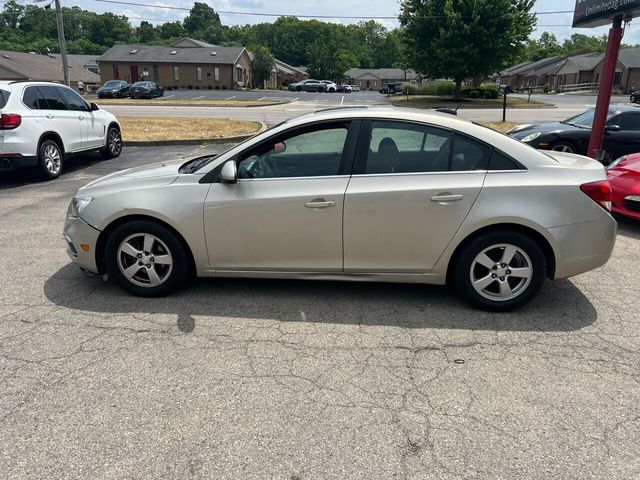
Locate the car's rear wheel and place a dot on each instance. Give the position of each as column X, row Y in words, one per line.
column 113, row 146
column 50, row 160
column 563, row 147
column 499, row 271
column 146, row 259
column 298, row 89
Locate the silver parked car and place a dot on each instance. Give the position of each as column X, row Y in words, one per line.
column 309, row 85
column 353, row 194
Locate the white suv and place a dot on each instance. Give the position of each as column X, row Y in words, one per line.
column 42, row 122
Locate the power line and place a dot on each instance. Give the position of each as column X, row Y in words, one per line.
column 261, row 14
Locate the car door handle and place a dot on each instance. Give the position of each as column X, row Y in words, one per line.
column 446, row 197
column 81, row 117
column 49, row 116
column 319, row 203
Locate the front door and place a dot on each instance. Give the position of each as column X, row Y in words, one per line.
column 413, row 186
column 134, row 73
column 62, row 120
column 627, row 139
column 285, row 211
column 93, row 129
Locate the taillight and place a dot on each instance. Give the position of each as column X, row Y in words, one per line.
column 599, row 192
column 9, row 121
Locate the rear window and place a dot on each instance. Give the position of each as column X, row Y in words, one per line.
column 4, row 98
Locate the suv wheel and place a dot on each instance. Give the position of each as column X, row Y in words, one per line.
column 50, row 159
column 146, row 259
column 499, row 271
column 113, row 148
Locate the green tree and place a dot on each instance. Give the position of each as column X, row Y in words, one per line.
column 146, row 33
column 262, row 65
column 203, row 22
column 581, row 43
column 462, row 39
column 172, row 30
column 327, row 63
column 546, row 46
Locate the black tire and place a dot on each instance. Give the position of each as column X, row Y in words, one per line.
column 524, row 290
column 320, row 90
column 165, row 243
column 113, row 144
column 50, row 160
column 298, row 89
column 566, row 147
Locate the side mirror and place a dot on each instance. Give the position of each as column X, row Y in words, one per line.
column 612, row 128
column 229, row 172
column 94, row 107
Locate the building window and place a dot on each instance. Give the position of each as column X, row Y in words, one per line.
column 156, row 73
column 176, row 72
column 116, row 72
column 199, row 74
column 216, row 74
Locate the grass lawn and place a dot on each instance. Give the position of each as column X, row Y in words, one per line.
column 425, row 101
column 189, row 102
column 136, row 129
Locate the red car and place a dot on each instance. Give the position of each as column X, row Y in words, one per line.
column 624, row 178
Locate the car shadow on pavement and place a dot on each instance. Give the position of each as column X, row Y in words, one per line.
column 560, row 306
column 628, row 227
column 18, row 177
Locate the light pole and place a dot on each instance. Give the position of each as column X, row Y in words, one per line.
column 63, row 48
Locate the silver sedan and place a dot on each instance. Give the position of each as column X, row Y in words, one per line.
column 353, row 194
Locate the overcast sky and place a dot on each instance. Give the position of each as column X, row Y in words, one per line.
column 557, row 23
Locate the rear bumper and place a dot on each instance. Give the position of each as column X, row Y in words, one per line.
column 77, row 233
column 17, row 160
column 583, row 246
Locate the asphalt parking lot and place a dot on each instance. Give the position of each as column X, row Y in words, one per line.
column 303, row 380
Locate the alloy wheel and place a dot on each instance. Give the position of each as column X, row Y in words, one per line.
column 501, row 272
column 114, row 142
column 52, row 159
column 563, row 147
column 144, row 260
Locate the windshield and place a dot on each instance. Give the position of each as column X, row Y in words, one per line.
column 141, row 84
column 585, row 119
column 112, row 84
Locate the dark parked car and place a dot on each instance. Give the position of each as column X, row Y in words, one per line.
column 621, row 136
column 309, row 85
column 145, row 89
column 391, row 88
column 635, row 97
column 114, row 89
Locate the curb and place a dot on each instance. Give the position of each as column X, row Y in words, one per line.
column 194, row 141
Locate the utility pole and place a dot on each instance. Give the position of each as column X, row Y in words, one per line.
column 63, row 48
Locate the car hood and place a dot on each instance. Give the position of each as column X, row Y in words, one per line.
column 155, row 174
column 522, row 131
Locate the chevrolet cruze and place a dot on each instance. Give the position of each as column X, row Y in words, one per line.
column 353, row 194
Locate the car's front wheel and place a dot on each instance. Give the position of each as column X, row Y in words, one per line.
column 563, row 147
column 113, row 146
column 50, row 160
column 499, row 271
column 146, row 259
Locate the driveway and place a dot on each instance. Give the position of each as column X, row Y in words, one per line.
column 293, row 380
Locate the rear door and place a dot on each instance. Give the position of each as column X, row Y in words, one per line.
column 63, row 121
column 413, row 186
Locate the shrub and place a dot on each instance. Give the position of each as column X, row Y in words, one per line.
column 217, row 87
column 409, row 88
column 190, row 87
column 169, row 87
column 197, row 87
column 546, row 88
column 224, row 87
column 486, row 94
column 209, row 87
column 474, row 94
column 175, row 87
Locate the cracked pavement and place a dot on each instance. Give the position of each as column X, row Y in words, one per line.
column 303, row 380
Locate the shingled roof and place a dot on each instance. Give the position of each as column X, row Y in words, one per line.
column 42, row 67
column 171, row 54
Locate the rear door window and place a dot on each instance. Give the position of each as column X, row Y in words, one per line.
column 52, row 98
column 469, row 155
column 4, row 98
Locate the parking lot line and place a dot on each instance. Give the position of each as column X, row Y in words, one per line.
column 261, row 98
column 166, row 96
column 230, row 98
column 342, row 100
column 196, row 98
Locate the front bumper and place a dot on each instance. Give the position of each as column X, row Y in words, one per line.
column 584, row 246
column 81, row 240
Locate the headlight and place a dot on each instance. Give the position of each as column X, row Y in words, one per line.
column 531, row 136
column 77, row 205
column 633, row 198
